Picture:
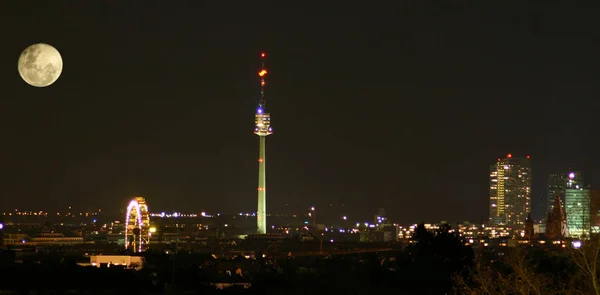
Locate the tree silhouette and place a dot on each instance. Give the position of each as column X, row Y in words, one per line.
column 438, row 256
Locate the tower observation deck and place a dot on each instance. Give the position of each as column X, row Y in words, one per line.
column 262, row 128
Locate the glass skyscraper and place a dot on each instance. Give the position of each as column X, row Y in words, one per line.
column 557, row 184
column 510, row 191
column 578, row 209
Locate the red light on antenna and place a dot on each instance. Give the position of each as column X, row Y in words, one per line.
column 528, row 157
column 509, row 156
column 263, row 54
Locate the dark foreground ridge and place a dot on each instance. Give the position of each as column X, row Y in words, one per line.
column 432, row 263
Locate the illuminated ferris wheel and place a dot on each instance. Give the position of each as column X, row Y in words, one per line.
column 137, row 225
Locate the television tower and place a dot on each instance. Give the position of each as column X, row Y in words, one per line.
column 262, row 129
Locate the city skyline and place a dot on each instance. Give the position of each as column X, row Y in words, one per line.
column 404, row 110
column 558, row 185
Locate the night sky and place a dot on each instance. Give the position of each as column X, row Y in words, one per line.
column 402, row 107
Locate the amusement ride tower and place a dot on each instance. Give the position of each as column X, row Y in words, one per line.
column 262, row 129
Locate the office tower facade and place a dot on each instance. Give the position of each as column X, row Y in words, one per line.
column 510, row 191
column 558, row 183
column 381, row 217
column 595, row 210
column 578, row 209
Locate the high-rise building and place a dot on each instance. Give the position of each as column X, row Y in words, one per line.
column 578, row 209
column 380, row 218
column 510, row 191
column 557, row 184
column 262, row 121
column 595, row 210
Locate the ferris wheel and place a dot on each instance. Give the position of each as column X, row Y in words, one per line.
column 137, row 225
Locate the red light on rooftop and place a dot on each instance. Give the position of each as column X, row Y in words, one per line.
column 509, row 156
column 263, row 54
column 528, row 157
column 499, row 160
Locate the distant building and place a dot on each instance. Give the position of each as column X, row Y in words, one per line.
column 558, row 183
column 390, row 233
column 136, row 262
column 510, row 191
column 42, row 239
column 380, row 217
column 578, row 209
column 595, row 210
column 539, row 228
column 556, row 222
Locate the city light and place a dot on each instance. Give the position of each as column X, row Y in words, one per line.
column 137, row 217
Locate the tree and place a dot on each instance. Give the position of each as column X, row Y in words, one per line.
column 517, row 274
column 585, row 255
column 436, row 256
column 422, row 235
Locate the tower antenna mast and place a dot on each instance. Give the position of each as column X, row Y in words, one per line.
column 262, row 74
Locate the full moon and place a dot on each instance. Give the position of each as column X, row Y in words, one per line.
column 40, row 65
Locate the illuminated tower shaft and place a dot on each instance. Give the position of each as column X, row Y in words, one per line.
column 262, row 129
column 261, row 213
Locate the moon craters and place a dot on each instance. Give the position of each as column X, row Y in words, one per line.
column 40, row 65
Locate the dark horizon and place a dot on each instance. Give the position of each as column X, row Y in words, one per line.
column 403, row 108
